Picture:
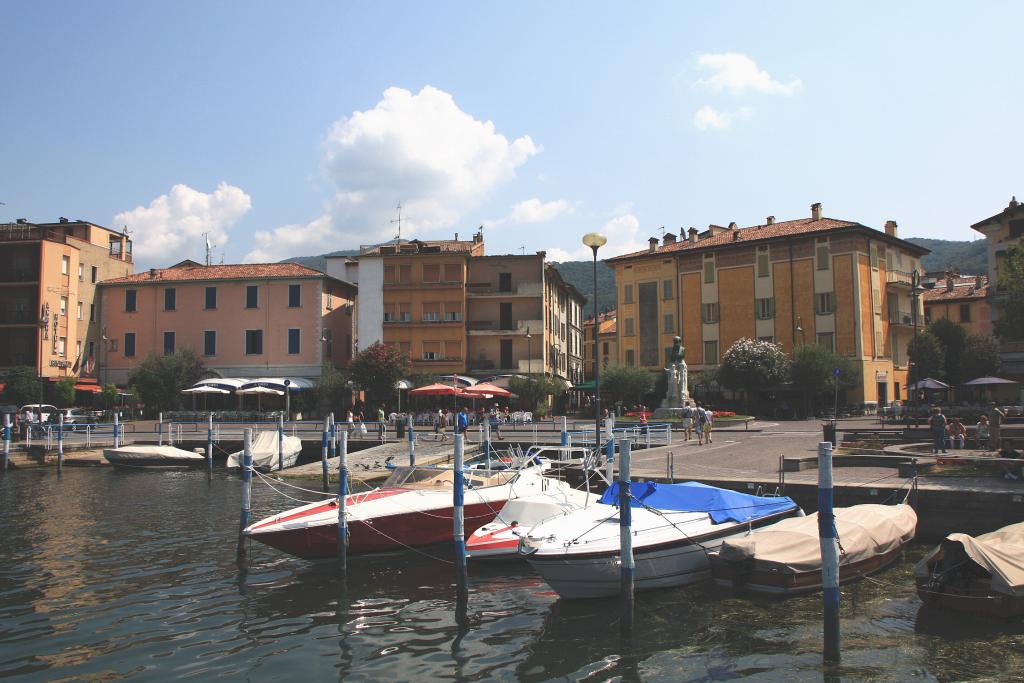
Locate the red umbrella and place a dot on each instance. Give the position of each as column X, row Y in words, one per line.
column 436, row 390
column 485, row 388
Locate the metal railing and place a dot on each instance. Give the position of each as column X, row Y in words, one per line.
column 645, row 436
column 897, row 317
column 899, row 277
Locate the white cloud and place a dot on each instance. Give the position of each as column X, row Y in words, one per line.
column 171, row 228
column 736, row 72
column 623, row 233
column 532, row 211
column 418, row 149
column 709, row 118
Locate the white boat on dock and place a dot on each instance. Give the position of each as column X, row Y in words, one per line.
column 674, row 528
column 265, row 448
column 153, row 457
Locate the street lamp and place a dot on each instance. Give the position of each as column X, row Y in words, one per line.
column 595, row 241
column 529, row 352
column 800, row 329
column 44, row 325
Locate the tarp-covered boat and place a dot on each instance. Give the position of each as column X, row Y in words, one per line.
column 265, row 450
column 674, row 525
column 785, row 558
column 153, row 457
column 980, row 575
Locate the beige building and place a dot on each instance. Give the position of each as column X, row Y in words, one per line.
column 960, row 298
column 242, row 320
column 607, row 343
column 48, row 310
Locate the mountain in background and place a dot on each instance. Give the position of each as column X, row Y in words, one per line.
column 969, row 257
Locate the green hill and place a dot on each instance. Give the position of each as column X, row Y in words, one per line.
column 319, row 262
column 970, row 257
column 580, row 274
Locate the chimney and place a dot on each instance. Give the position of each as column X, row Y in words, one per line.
column 950, row 281
column 770, row 220
column 152, row 273
column 979, row 281
column 62, row 219
column 735, row 235
column 816, row 211
column 668, row 238
column 691, row 234
column 890, row 228
column 733, row 226
column 456, row 237
column 1013, row 202
column 653, row 242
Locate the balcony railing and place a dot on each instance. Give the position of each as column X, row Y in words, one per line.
column 517, row 326
column 27, row 232
column 488, row 289
column 17, row 317
column 901, row 318
column 898, row 277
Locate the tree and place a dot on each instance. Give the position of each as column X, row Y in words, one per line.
column 1010, row 304
column 980, row 357
column 375, row 370
column 65, row 392
column 928, row 357
column 953, row 339
column 109, row 395
column 813, row 372
column 159, row 380
column 533, row 391
column 626, row 384
column 421, row 379
column 21, row 385
column 749, row 364
column 332, row 389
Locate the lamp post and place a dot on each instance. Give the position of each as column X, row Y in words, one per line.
column 44, row 325
column 915, row 292
column 800, row 329
column 595, row 241
column 529, row 352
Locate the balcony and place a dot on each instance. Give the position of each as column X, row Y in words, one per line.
column 493, row 327
column 901, row 318
column 898, row 278
column 18, row 316
column 486, row 289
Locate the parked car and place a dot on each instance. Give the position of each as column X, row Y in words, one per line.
column 77, row 418
column 47, row 411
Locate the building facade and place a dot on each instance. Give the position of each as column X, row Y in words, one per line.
column 48, row 308
column 242, row 320
column 816, row 280
column 960, row 298
column 607, row 343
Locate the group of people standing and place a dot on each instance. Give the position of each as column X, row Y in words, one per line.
column 952, row 433
column 698, row 419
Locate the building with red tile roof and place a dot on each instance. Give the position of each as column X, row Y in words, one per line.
column 960, row 298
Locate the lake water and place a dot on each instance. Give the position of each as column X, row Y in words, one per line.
column 108, row 575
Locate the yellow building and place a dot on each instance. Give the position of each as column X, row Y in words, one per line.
column 1002, row 231
column 811, row 280
column 960, row 298
column 607, row 342
column 49, row 272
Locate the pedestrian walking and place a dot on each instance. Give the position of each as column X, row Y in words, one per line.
column 699, row 420
column 381, row 420
column 687, row 423
column 937, row 423
column 462, row 421
column 709, row 422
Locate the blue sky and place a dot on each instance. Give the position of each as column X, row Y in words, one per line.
column 288, row 129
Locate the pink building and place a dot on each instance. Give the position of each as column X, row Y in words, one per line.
column 242, row 320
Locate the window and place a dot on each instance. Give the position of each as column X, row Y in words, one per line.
column 874, row 256
column 253, row 342
column 827, row 340
column 130, row 300
column 389, row 313
column 763, row 265
column 876, row 299
column 769, row 339
column 210, row 343
column 404, row 312
column 453, row 272
column 78, row 349
column 252, row 296
column 709, row 313
column 709, row 271
column 65, row 265
column 668, row 323
column 431, row 272
column 389, row 275
column 330, row 301
column 1016, row 228
column 766, row 308
column 504, row 282
column 453, row 350
column 823, row 257
column 627, row 294
column 80, row 310
column 170, row 298
column 92, row 313
column 211, row 298
column 965, row 313
column 404, row 274
column 630, row 327
column 168, row 343
column 888, row 259
column 824, row 303
column 711, row 353
column 405, row 348
column 62, row 345
column 431, row 350
column 604, row 348
column 295, row 296
column 63, row 306
column 92, row 350
column 630, row 358
column 453, row 311
column 879, row 344
column 431, row 312
column 327, row 337
column 293, row 341
column 81, row 272
column 129, row 344
column 94, row 274
column 666, row 289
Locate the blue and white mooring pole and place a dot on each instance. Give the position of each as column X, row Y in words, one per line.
column 627, row 563
column 565, row 431
column 246, row 492
column 117, row 430
column 160, row 431
column 412, row 440
column 609, row 433
column 60, row 442
column 280, row 442
column 458, row 519
column 487, row 440
column 829, row 553
column 342, row 502
column 7, row 440
column 209, row 445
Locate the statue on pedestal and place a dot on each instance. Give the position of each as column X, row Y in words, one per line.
column 676, row 395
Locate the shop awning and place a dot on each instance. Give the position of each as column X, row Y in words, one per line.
column 91, row 388
column 589, row 385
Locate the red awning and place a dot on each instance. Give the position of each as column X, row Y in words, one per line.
column 93, row 388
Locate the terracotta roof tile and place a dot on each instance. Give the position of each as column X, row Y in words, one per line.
column 964, row 289
column 234, row 271
column 446, row 246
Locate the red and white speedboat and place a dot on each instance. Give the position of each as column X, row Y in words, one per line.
column 414, row 507
column 499, row 540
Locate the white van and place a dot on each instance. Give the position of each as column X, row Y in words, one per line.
column 35, row 407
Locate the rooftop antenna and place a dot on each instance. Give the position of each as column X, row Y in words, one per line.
column 399, row 221
column 663, row 231
column 209, row 248
column 523, row 250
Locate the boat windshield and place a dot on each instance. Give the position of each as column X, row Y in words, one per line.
column 435, row 478
column 557, row 453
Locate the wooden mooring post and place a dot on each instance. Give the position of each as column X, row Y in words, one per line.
column 246, row 492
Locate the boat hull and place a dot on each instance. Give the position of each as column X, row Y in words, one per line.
column 501, row 544
column 977, row 598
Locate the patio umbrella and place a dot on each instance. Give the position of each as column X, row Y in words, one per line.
column 259, row 391
column 205, row 389
column 436, row 390
column 929, row 383
column 984, row 381
column 486, row 389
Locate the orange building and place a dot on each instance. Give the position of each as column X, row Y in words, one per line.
column 960, row 298
column 48, row 312
column 607, row 342
column 811, row 280
column 242, row 320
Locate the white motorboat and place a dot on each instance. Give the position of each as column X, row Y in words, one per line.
column 674, row 527
column 153, row 457
column 499, row 540
column 414, row 507
column 265, row 449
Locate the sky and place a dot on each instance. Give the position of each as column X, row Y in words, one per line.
column 285, row 129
